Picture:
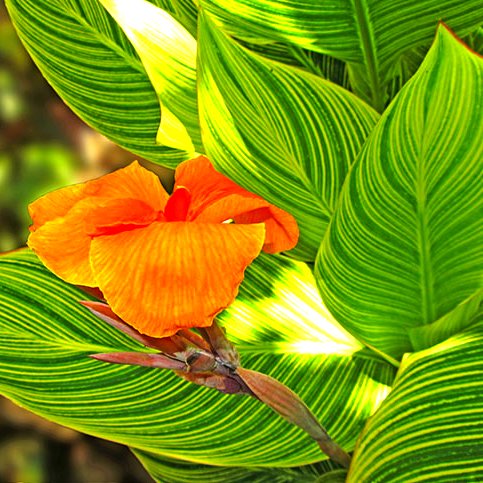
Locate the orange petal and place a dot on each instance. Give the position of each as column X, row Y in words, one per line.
column 177, row 207
column 215, row 198
column 54, row 204
column 282, row 231
column 206, row 185
column 115, row 215
column 131, row 182
column 63, row 246
column 281, row 228
column 171, row 276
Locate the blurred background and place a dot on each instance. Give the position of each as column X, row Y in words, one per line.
column 43, row 146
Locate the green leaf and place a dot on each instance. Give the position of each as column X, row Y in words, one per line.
column 175, row 471
column 462, row 316
column 168, row 53
column 402, row 249
column 89, row 61
column 321, row 65
column 324, row 66
column 429, row 428
column 475, row 40
column 370, row 36
column 336, row 476
column 185, row 11
column 278, row 326
column 280, row 132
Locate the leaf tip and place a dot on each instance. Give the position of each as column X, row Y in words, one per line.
column 445, row 32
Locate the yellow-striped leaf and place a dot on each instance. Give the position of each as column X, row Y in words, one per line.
column 89, row 61
column 403, row 246
column 430, row 427
column 371, row 36
column 277, row 324
column 283, row 133
column 184, row 11
column 462, row 316
column 167, row 470
column 168, row 53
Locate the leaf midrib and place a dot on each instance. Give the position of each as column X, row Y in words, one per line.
column 312, row 189
column 103, row 39
column 428, row 311
column 368, row 48
column 300, row 172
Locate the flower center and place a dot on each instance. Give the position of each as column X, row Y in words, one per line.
column 178, row 205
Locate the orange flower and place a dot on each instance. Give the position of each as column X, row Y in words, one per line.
column 163, row 262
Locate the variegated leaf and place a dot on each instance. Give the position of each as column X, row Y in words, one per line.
column 280, row 132
column 403, row 246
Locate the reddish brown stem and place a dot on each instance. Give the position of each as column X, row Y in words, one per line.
column 289, row 405
column 220, row 345
column 169, row 345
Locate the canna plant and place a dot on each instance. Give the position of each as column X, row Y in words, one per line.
column 346, row 135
